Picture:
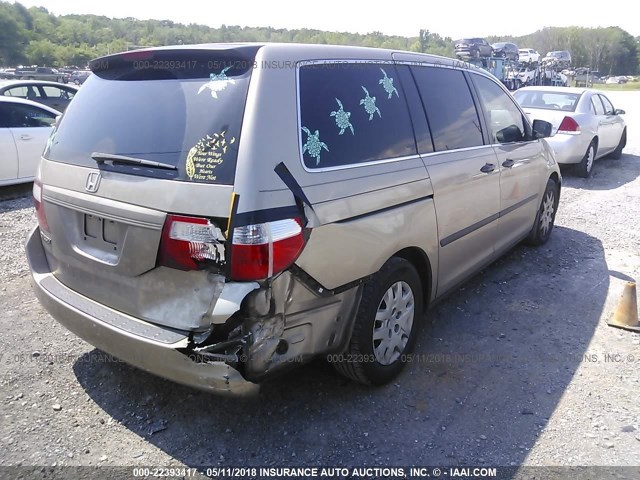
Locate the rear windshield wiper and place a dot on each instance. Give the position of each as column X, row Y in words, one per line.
column 109, row 157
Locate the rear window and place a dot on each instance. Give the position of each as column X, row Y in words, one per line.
column 547, row 100
column 352, row 113
column 450, row 109
column 182, row 108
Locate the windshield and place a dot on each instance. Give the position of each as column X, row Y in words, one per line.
column 547, row 100
column 185, row 112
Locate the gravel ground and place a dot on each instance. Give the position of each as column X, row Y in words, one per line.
column 516, row 368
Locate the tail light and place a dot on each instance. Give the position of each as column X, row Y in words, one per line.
column 37, row 201
column 188, row 243
column 266, row 249
column 569, row 125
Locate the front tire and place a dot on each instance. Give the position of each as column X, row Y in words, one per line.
column 585, row 167
column 546, row 216
column 385, row 325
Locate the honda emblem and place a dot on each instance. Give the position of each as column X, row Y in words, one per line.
column 93, row 182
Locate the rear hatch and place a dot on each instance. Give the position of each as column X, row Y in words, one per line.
column 137, row 180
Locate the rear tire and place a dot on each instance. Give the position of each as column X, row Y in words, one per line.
column 385, row 325
column 585, row 167
column 546, row 216
column 617, row 153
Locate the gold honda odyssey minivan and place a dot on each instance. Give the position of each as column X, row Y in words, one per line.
column 215, row 214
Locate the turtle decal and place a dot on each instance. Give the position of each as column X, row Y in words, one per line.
column 387, row 84
column 342, row 119
column 369, row 103
column 313, row 145
column 217, row 83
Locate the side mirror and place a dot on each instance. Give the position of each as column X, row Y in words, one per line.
column 619, row 111
column 541, row 129
column 509, row 134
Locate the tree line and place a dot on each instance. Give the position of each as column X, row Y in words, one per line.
column 35, row 36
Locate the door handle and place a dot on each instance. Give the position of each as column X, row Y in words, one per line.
column 25, row 137
column 508, row 163
column 488, row 168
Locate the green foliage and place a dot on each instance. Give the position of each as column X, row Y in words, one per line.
column 34, row 36
column 610, row 50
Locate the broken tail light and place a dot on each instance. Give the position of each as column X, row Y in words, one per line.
column 569, row 125
column 263, row 250
column 190, row 243
column 37, row 201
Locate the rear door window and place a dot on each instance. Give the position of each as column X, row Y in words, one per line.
column 450, row 109
column 55, row 92
column 597, row 105
column 352, row 113
column 183, row 108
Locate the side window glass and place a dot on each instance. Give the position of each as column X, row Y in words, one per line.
column 504, row 118
column 608, row 107
column 53, row 92
column 597, row 105
column 450, row 109
column 352, row 113
column 19, row 92
column 20, row 116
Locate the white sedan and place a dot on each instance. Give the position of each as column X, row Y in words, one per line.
column 586, row 126
column 25, row 127
column 528, row 55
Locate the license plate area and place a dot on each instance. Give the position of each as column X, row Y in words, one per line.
column 101, row 233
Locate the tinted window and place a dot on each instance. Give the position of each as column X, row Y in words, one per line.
column 15, row 115
column 352, row 113
column 452, row 115
column 503, row 116
column 597, row 104
column 547, row 100
column 608, row 107
column 167, row 109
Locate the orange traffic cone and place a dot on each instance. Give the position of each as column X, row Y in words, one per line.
column 626, row 313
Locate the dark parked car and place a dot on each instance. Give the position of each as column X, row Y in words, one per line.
column 560, row 58
column 41, row 73
column 79, row 76
column 506, row 50
column 52, row 94
column 473, row 48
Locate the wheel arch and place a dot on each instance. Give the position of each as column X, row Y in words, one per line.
column 420, row 260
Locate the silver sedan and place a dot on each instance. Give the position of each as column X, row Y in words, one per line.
column 586, row 126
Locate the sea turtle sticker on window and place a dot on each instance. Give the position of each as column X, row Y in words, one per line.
column 369, row 104
column 342, row 119
column 313, row 146
column 217, row 83
column 206, row 155
column 387, row 84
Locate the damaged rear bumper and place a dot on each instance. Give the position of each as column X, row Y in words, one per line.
column 147, row 346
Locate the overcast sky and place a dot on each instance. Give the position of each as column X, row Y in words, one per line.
column 457, row 18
